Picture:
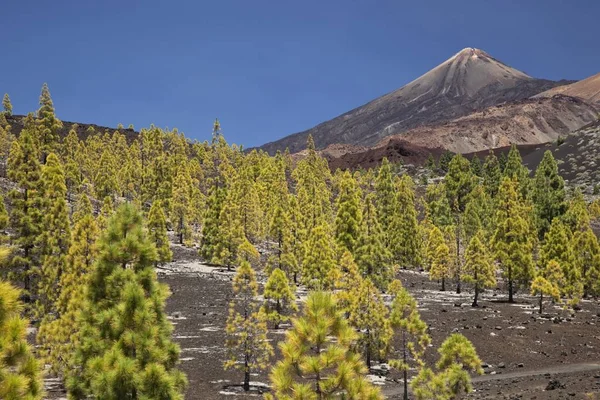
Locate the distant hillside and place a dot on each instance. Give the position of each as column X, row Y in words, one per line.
column 470, row 80
column 578, row 157
column 17, row 124
column 587, row 89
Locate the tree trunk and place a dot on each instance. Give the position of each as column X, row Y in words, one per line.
column 405, row 372
column 443, row 284
column 476, row 295
column 510, row 286
column 458, row 256
column 541, row 301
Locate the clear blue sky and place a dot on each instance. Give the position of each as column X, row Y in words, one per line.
column 267, row 68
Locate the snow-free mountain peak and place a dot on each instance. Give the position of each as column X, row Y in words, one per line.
column 469, row 80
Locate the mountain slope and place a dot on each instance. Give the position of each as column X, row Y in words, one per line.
column 528, row 122
column 587, row 89
column 468, row 81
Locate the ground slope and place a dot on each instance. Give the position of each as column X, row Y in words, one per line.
column 587, row 89
column 468, row 81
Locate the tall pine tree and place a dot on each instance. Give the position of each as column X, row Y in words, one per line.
column 125, row 349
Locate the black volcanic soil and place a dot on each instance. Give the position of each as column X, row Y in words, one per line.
column 510, row 338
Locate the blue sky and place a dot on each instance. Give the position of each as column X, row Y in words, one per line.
column 267, row 68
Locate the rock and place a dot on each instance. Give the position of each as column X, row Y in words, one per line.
column 457, row 305
column 492, row 334
column 498, row 328
column 501, row 365
column 520, row 365
column 554, row 384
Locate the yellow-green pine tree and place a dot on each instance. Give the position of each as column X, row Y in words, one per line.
column 25, row 200
column 318, row 361
column 404, row 239
column 349, row 280
column 385, row 195
column 406, row 323
column 369, row 315
column 479, row 269
column 58, row 336
column 548, row 281
column 557, row 247
column 181, row 204
column 247, row 345
column 55, row 237
column 513, row 238
column 49, row 125
column 349, row 214
column 20, row 373
column 280, row 299
column 4, row 220
column 319, row 267
column 7, row 105
column 458, row 358
column 157, row 230
column 372, row 257
column 125, row 350
column 106, row 211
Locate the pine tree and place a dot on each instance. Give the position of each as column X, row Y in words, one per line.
column 55, row 237
column 548, row 194
column 349, row 280
column 57, row 336
column 247, row 345
column 369, row 315
column 106, row 211
column 210, row 229
column 459, row 183
column 4, row 221
column 230, row 235
column 105, row 182
column 441, row 264
column 557, row 247
column 548, row 280
column 437, row 208
column 280, row 229
column 280, row 299
column 20, row 373
column 492, row 174
column 349, row 214
column 458, row 357
column 403, row 236
column 49, row 125
column 157, row 230
column 412, row 330
column 577, row 215
column 435, row 238
column 476, row 167
column 181, row 204
column 313, row 194
column 586, row 250
column 512, row 240
column 478, row 212
column 25, row 218
column 7, row 105
column 317, row 361
column 479, row 270
column 125, row 349
column 318, row 266
column 514, row 169
column 372, row 257
column 385, row 196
